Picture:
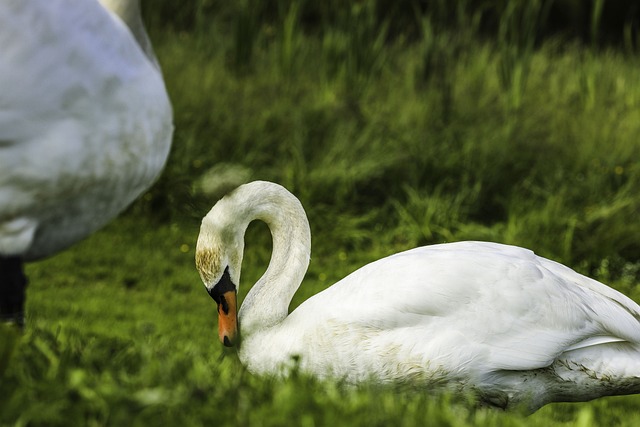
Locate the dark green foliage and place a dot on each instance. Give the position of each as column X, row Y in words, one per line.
column 541, row 137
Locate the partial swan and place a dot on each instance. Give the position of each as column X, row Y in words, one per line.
column 496, row 320
column 85, row 127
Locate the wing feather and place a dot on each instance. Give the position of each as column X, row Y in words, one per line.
column 499, row 305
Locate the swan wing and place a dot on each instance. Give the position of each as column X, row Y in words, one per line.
column 497, row 306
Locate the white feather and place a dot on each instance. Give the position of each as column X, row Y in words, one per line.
column 85, row 122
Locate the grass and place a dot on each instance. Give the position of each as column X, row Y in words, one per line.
column 391, row 141
column 357, row 127
column 121, row 332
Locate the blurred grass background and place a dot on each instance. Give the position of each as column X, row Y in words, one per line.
column 397, row 124
column 423, row 121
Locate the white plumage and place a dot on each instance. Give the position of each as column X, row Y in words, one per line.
column 513, row 327
column 85, row 122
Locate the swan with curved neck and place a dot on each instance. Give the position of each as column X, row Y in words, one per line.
column 85, row 127
column 497, row 320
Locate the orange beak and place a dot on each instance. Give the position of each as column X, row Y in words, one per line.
column 228, row 318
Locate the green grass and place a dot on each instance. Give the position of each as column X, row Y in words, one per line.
column 121, row 332
column 390, row 142
column 358, row 128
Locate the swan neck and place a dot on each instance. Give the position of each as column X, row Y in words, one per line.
column 267, row 304
column 129, row 12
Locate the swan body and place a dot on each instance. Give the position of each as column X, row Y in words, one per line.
column 85, row 122
column 515, row 328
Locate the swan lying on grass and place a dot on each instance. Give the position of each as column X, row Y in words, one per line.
column 514, row 328
column 85, row 127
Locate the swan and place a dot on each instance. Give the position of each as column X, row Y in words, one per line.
column 516, row 329
column 85, row 127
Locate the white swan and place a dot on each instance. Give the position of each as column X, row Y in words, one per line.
column 85, row 126
column 515, row 328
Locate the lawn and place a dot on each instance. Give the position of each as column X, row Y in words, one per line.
column 121, row 332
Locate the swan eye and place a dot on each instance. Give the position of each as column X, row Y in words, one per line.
column 224, row 285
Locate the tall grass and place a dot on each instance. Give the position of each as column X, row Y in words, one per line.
column 544, row 135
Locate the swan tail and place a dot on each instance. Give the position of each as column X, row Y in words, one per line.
column 577, row 375
column 604, row 369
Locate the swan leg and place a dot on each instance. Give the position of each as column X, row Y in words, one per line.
column 13, row 283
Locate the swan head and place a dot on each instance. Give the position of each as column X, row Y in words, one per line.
column 225, row 294
column 219, row 253
column 220, row 248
